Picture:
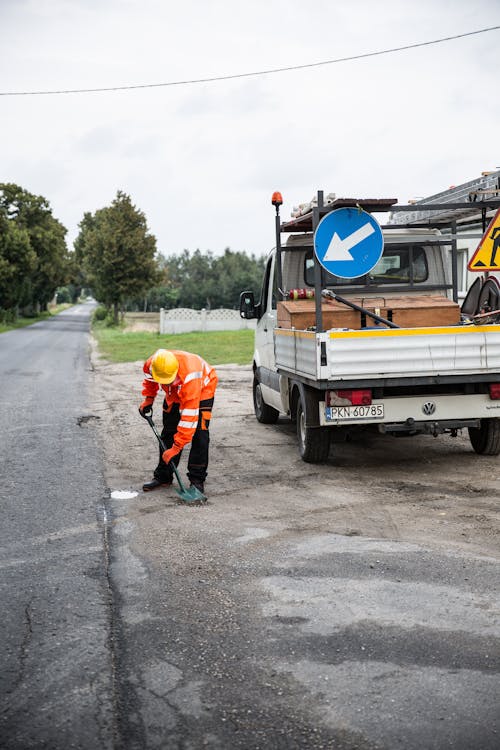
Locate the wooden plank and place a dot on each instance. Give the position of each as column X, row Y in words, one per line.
column 416, row 311
column 301, row 314
column 422, row 311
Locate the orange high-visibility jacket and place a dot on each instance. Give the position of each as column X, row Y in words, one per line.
column 196, row 381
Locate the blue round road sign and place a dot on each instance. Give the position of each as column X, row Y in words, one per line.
column 348, row 242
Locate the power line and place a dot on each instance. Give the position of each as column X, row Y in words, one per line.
column 251, row 74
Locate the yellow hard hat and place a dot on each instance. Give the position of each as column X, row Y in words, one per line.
column 164, row 366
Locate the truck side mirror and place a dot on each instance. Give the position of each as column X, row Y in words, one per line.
column 247, row 305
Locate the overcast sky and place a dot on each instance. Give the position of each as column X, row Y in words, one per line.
column 202, row 160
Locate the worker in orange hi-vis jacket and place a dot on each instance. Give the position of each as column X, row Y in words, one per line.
column 189, row 384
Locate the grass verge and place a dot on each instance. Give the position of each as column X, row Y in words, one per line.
column 217, row 347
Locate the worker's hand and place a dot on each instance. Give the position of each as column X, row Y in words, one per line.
column 167, row 456
column 146, row 409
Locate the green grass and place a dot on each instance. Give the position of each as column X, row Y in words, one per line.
column 23, row 322
column 217, row 347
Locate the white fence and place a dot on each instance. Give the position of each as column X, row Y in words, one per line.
column 183, row 320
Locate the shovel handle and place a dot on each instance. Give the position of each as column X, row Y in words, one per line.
column 164, row 448
column 149, row 418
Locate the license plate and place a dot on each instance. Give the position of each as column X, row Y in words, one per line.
column 354, row 413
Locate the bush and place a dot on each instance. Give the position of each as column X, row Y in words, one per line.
column 100, row 313
column 63, row 295
column 8, row 316
column 103, row 318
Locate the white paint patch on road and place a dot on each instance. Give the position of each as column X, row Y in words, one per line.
column 330, row 604
column 123, row 495
column 380, row 700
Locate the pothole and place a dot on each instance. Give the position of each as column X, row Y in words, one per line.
column 85, row 418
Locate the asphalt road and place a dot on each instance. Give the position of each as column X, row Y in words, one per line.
column 348, row 606
column 56, row 676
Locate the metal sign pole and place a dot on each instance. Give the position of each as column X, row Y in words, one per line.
column 317, row 267
column 278, row 254
column 454, row 261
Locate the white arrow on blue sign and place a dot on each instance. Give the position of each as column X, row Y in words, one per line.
column 348, row 242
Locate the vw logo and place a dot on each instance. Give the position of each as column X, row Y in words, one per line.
column 429, row 408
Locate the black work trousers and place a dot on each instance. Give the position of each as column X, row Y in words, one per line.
column 198, row 454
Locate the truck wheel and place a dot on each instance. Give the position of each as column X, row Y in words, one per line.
column 265, row 414
column 314, row 442
column 486, row 439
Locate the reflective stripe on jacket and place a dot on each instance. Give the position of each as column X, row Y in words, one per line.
column 196, row 381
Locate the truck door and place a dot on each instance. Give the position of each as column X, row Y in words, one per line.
column 264, row 336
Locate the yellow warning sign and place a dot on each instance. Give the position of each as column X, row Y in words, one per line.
column 487, row 255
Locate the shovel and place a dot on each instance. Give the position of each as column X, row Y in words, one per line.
column 191, row 495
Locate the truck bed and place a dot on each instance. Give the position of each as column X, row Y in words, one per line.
column 389, row 354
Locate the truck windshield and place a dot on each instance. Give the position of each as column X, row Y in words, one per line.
column 400, row 264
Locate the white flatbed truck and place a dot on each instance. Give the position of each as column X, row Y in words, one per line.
column 351, row 365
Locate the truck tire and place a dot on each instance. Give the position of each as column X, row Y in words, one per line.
column 486, row 439
column 314, row 442
column 265, row 414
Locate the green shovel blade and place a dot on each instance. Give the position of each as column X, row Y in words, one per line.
column 192, row 495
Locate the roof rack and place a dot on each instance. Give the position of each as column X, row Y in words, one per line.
column 305, row 223
column 469, row 203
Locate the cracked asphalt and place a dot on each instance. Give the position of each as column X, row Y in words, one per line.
column 56, row 679
column 353, row 605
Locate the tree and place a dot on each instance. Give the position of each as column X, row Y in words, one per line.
column 17, row 263
column 191, row 275
column 117, row 252
column 204, row 280
column 33, row 244
column 235, row 272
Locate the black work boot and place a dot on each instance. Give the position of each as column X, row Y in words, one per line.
column 155, row 484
